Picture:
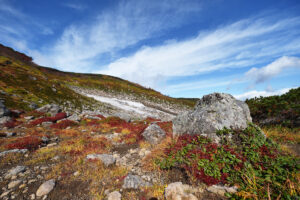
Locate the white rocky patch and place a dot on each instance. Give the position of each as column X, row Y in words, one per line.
column 129, row 106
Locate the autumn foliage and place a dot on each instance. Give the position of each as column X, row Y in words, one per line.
column 29, row 142
column 57, row 117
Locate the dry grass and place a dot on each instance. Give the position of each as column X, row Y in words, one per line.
column 283, row 134
column 43, row 155
column 157, row 152
column 11, row 159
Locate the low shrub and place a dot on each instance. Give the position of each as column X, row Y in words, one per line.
column 12, row 123
column 57, row 117
column 63, row 124
column 30, row 142
column 250, row 161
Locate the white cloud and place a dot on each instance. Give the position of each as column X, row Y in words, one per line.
column 254, row 93
column 273, row 69
column 75, row 6
column 12, row 32
column 240, row 44
column 113, row 30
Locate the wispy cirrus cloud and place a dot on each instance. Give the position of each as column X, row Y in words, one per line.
column 129, row 23
column 75, row 6
column 17, row 28
column 245, row 43
column 259, row 75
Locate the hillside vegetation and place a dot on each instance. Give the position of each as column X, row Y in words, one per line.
column 281, row 110
column 24, row 84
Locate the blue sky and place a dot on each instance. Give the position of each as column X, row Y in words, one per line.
column 182, row 48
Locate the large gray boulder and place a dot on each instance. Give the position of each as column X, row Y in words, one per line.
column 211, row 113
column 154, row 134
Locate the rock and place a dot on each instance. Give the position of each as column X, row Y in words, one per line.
column 15, row 171
column 33, row 105
column 4, row 194
column 3, row 110
column 53, row 109
column 52, row 144
column 45, row 139
column 221, row 190
column 107, row 159
column 134, row 182
column 178, row 191
column 32, row 78
column 46, row 124
column 32, row 196
column 31, row 181
column 14, row 184
column 114, row 196
column 10, row 134
column 13, row 151
column 154, row 134
column 74, row 117
column 55, row 157
column 211, row 113
column 45, row 188
column 29, row 117
column 77, row 173
column 5, row 119
column 22, row 186
column 124, row 116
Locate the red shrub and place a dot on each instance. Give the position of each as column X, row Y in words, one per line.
column 29, row 142
column 63, row 124
column 115, row 121
column 34, row 113
column 93, row 122
column 57, row 117
column 40, row 120
column 150, row 119
column 11, row 124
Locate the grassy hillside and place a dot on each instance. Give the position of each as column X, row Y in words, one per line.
column 283, row 110
column 22, row 83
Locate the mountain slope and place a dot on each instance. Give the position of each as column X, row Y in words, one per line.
column 23, row 84
column 283, row 109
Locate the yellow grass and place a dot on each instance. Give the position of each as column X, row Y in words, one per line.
column 283, row 134
column 148, row 162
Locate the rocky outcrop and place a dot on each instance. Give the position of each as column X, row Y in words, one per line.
column 154, row 134
column 179, row 191
column 221, row 190
column 134, row 182
column 53, row 109
column 15, row 171
column 105, row 158
column 13, row 151
column 211, row 113
column 74, row 117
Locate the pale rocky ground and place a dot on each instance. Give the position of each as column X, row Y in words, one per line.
column 20, row 179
